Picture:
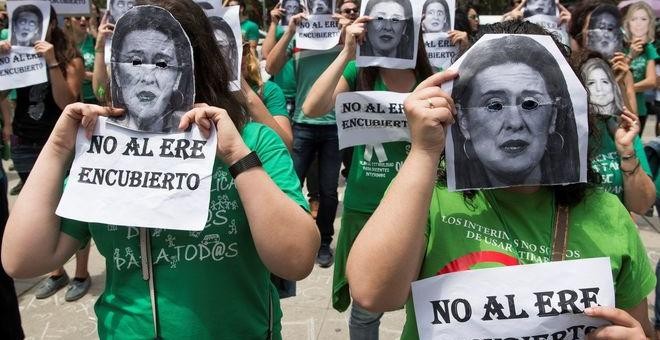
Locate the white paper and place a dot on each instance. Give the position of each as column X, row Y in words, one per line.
column 549, row 151
column 291, row 8
column 439, row 49
column 226, row 25
column 318, row 32
column 177, row 167
column 551, row 24
column 116, row 8
column 391, row 39
column 462, row 305
column 371, row 117
column 28, row 21
column 72, row 7
column 21, row 67
column 433, row 13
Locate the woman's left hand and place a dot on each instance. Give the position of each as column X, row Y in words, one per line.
column 626, row 132
column 231, row 147
column 565, row 15
column 624, row 326
column 46, row 50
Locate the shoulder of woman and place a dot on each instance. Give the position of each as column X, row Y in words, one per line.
column 600, row 205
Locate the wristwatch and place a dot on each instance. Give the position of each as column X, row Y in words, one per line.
column 245, row 163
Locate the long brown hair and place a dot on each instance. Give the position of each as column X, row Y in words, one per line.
column 211, row 70
column 65, row 52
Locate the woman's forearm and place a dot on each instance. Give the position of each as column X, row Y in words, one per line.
column 270, row 40
column 100, row 76
column 638, row 189
column 66, row 90
column 387, row 254
column 277, row 56
column 318, row 102
column 285, row 236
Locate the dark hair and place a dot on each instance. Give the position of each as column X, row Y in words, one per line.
column 406, row 46
column 461, row 22
column 65, row 51
column 27, row 9
column 562, row 164
column 232, row 52
column 212, row 73
column 447, row 24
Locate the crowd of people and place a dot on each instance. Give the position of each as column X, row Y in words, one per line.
column 278, row 133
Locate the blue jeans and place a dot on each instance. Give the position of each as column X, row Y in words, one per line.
column 308, row 141
column 363, row 324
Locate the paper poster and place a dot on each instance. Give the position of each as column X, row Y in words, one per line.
column 226, row 26
column 536, row 301
column 437, row 21
column 72, row 7
column 371, row 117
column 604, row 34
column 116, row 8
column 440, row 50
column 291, row 8
column 545, row 13
column 151, row 180
column 391, row 38
column 521, row 116
column 604, row 92
column 152, row 75
column 320, row 31
column 21, row 67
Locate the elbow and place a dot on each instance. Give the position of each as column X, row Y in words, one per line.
column 270, row 67
column 372, row 300
column 12, row 266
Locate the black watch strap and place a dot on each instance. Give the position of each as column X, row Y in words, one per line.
column 247, row 162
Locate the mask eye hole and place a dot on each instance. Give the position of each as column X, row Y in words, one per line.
column 494, row 105
column 136, row 61
column 161, row 64
column 529, row 104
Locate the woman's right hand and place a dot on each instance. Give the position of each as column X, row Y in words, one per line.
column 430, row 111
column 355, row 33
column 620, row 66
column 636, row 48
column 277, row 13
column 5, row 47
column 74, row 115
column 295, row 21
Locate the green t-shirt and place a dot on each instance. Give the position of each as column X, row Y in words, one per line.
column 250, row 30
column 369, row 178
column 286, row 77
column 86, row 48
column 308, row 66
column 273, row 98
column 498, row 227
column 209, row 284
column 606, row 161
column 638, row 68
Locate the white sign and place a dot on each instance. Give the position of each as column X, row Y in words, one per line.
column 391, row 37
column 318, row 32
column 72, row 7
column 551, row 24
column 128, row 178
column 371, row 117
column 439, row 49
column 226, row 25
column 537, row 301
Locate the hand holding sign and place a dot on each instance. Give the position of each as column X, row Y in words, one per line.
column 295, row 21
column 565, row 15
column 430, row 110
column 277, row 13
column 355, row 33
column 626, row 132
column 231, row 147
column 624, row 325
column 74, row 115
column 46, row 50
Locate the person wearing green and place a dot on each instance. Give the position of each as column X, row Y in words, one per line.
column 85, row 42
column 369, row 175
column 249, row 29
column 619, row 155
column 437, row 231
column 216, row 279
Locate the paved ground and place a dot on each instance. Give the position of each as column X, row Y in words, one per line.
column 306, row 316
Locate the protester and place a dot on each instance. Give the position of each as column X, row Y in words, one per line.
column 38, row 108
column 312, row 137
column 405, row 242
column 249, row 29
column 363, row 192
column 473, row 19
column 100, row 79
column 279, row 237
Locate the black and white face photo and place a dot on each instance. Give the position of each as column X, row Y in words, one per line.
column 604, row 33
column 27, row 21
column 291, row 8
column 319, row 6
column 540, row 7
column 390, row 32
column 436, row 16
column 604, row 92
column 152, row 71
column 118, row 8
column 515, row 118
column 226, row 40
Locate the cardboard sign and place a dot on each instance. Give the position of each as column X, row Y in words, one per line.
column 370, row 117
column 538, row 301
column 121, row 177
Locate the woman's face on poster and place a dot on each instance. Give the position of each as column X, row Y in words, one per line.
column 601, row 90
column 319, row 7
column 540, row 7
column 509, row 118
column 292, row 7
column 434, row 18
column 120, row 7
column 27, row 27
column 386, row 28
column 148, row 73
column 603, row 34
column 639, row 24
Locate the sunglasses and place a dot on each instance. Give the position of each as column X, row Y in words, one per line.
column 350, row 11
column 82, row 17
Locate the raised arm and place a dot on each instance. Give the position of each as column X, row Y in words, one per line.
column 66, row 88
column 100, row 77
column 318, row 103
column 284, row 235
column 271, row 36
column 387, row 254
column 33, row 243
column 277, row 56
